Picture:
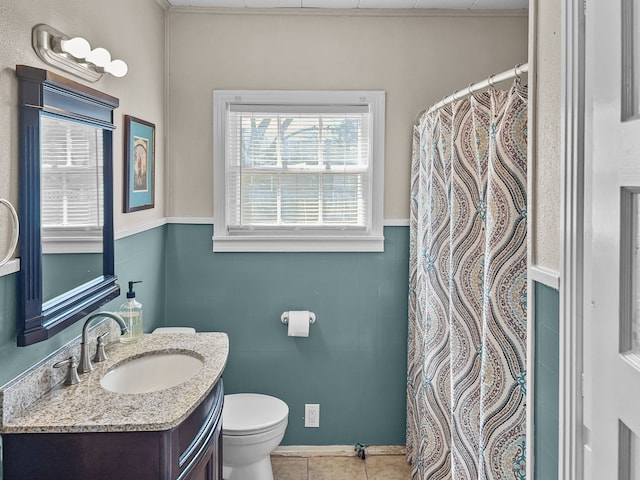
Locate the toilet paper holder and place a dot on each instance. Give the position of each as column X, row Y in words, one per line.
column 284, row 318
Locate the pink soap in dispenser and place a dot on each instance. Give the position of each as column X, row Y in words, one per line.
column 131, row 313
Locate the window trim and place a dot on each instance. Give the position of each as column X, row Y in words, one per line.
column 341, row 240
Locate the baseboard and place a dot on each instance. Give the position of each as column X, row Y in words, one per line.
column 336, row 450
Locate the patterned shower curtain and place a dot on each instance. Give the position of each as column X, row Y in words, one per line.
column 466, row 386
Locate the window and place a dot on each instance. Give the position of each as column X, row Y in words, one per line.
column 298, row 170
column 71, row 186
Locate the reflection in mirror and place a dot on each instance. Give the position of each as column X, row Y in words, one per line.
column 66, row 202
column 71, row 198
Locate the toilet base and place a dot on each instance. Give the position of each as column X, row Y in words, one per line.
column 260, row 470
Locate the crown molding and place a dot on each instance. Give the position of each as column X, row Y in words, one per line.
column 356, row 12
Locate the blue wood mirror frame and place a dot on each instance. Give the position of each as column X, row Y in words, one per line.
column 43, row 92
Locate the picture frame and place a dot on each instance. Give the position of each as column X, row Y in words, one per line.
column 139, row 164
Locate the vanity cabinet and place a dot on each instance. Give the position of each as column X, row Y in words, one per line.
column 190, row 451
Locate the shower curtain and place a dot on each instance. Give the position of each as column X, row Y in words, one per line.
column 466, row 386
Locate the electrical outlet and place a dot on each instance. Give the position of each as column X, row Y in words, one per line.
column 312, row 415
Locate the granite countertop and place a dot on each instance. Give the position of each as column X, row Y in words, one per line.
column 88, row 407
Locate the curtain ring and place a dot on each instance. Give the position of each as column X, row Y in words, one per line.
column 442, row 102
column 453, row 102
column 516, row 73
column 490, row 81
column 469, row 90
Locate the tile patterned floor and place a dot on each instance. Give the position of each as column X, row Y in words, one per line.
column 375, row 467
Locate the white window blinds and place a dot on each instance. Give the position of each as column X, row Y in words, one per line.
column 304, row 167
column 71, row 180
column 298, row 170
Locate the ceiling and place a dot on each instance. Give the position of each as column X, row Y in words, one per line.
column 395, row 4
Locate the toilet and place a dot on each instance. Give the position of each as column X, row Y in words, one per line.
column 252, row 427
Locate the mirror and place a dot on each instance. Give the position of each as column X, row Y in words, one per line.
column 71, row 204
column 66, row 202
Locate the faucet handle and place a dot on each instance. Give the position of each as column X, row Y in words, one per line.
column 72, row 374
column 100, row 355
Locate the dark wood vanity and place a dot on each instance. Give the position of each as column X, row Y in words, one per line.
column 192, row 450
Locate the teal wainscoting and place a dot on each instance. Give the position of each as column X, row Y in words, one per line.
column 546, row 394
column 353, row 363
column 138, row 257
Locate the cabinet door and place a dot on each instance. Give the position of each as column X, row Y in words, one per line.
column 210, row 466
column 205, row 471
column 203, row 455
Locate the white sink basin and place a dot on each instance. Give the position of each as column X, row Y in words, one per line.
column 151, row 373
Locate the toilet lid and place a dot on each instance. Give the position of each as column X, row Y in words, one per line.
column 249, row 413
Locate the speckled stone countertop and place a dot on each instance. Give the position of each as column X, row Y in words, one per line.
column 88, row 407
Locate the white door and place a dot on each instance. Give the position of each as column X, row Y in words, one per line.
column 612, row 220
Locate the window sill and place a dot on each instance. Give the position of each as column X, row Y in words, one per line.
column 298, row 244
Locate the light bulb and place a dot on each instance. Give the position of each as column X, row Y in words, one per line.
column 117, row 68
column 77, row 47
column 100, row 57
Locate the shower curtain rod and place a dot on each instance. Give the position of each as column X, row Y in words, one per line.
column 489, row 82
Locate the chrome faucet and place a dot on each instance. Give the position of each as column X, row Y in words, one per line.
column 85, row 362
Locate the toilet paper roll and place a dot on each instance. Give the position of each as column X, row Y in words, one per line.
column 298, row 323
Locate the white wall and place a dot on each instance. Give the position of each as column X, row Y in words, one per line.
column 133, row 31
column 416, row 57
column 545, row 200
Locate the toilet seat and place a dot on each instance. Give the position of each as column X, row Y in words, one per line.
column 252, row 413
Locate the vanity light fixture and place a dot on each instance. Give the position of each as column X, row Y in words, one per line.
column 75, row 55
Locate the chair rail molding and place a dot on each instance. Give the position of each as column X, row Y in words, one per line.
column 545, row 276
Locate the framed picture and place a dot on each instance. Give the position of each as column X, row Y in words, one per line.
column 139, row 164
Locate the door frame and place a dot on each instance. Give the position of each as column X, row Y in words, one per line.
column 570, row 441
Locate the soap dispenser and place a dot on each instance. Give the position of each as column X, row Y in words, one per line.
column 131, row 313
